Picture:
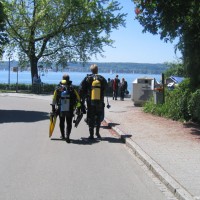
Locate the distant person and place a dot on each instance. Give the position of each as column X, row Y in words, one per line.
column 92, row 89
column 39, row 80
column 36, row 85
column 123, row 89
column 67, row 100
column 115, row 87
column 35, row 79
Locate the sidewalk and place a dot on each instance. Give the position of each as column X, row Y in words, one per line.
column 170, row 149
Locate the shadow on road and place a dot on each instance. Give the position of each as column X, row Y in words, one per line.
column 86, row 141
column 81, row 141
column 112, row 140
column 105, row 127
column 113, row 124
column 11, row 116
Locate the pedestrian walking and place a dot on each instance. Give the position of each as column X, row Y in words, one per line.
column 67, row 100
column 123, row 88
column 115, row 87
column 36, row 84
column 92, row 89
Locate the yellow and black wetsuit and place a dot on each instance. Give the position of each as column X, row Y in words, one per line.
column 71, row 100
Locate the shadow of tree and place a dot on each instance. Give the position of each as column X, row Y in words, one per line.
column 195, row 128
column 12, row 116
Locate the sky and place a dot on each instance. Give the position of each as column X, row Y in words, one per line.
column 131, row 45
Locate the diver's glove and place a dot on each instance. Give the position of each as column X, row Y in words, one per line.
column 78, row 110
column 108, row 106
column 83, row 109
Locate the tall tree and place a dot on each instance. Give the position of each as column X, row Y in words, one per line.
column 3, row 35
column 172, row 19
column 61, row 30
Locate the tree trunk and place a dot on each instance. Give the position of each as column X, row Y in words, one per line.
column 34, row 69
column 192, row 58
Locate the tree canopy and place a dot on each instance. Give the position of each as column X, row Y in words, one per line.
column 60, row 31
column 171, row 19
column 3, row 36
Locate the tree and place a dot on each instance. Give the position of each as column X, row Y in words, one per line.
column 175, row 69
column 172, row 19
column 61, row 30
column 3, row 36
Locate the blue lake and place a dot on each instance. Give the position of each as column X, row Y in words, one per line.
column 76, row 77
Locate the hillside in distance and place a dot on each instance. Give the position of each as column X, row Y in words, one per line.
column 107, row 67
column 116, row 67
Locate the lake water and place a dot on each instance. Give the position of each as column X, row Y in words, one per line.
column 76, row 77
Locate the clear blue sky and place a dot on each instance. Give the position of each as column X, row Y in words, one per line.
column 131, row 45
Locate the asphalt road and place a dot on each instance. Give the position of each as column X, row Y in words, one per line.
column 35, row 167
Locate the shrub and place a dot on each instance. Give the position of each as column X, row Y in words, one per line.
column 176, row 103
column 194, row 106
column 45, row 88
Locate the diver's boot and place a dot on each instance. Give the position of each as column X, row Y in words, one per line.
column 62, row 137
column 62, row 132
column 97, row 133
column 91, row 133
column 68, row 139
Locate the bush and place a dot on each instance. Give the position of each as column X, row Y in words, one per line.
column 45, row 88
column 48, row 88
column 176, row 103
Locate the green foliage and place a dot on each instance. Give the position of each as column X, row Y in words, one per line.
column 27, row 88
column 45, row 88
column 176, row 69
column 164, row 17
column 176, row 103
column 194, row 106
column 3, row 35
column 175, row 19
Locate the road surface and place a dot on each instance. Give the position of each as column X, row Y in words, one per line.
column 35, row 167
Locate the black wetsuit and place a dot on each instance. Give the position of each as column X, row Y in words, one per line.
column 94, row 110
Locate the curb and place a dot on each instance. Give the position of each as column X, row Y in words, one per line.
column 177, row 190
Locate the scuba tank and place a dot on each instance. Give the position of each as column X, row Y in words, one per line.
column 65, row 100
column 96, row 89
